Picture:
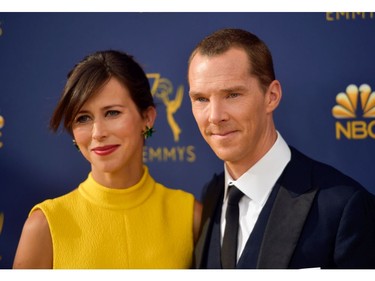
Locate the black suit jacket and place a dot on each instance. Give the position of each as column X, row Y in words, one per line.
column 320, row 218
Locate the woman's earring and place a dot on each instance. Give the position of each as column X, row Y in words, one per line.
column 75, row 144
column 147, row 133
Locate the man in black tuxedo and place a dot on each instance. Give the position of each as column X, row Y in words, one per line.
column 294, row 212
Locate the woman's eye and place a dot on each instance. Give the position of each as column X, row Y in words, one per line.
column 112, row 113
column 82, row 119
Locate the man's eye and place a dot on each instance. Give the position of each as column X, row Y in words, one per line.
column 233, row 95
column 200, row 99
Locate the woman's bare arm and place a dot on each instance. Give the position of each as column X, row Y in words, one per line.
column 35, row 246
column 197, row 219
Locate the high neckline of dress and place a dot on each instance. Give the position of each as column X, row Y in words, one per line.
column 118, row 198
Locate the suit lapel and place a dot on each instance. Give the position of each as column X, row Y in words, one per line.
column 288, row 215
column 283, row 228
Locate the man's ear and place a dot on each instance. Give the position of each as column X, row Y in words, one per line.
column 273, row 95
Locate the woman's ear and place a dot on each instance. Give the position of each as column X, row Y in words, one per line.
column 150, row 116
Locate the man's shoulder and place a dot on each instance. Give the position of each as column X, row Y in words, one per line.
column 321, row 175
column 213, row 188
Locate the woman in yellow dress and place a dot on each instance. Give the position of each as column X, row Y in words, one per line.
column 119, row 217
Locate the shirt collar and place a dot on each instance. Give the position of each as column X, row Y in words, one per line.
column 257, row 182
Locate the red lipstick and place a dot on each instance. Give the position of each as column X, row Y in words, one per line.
column 104, row 150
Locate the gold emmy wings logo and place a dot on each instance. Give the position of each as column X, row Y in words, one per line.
column 162, row 89
column 346, row 109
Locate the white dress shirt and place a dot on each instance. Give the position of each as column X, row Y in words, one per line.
column 256, row 184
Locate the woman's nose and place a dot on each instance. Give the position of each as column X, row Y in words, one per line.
column 99, row 130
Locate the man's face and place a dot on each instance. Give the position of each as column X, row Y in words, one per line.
column 231, row 110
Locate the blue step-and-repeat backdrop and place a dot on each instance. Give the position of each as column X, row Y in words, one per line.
column 325, row 62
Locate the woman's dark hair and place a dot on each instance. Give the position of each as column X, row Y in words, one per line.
column 89, row 75
column 260, row 58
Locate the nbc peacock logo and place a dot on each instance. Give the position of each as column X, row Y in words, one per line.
column 355, row 107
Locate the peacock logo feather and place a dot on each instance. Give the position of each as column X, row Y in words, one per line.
column 347, row 103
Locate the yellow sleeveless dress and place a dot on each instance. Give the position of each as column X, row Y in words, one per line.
column 146, row 226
